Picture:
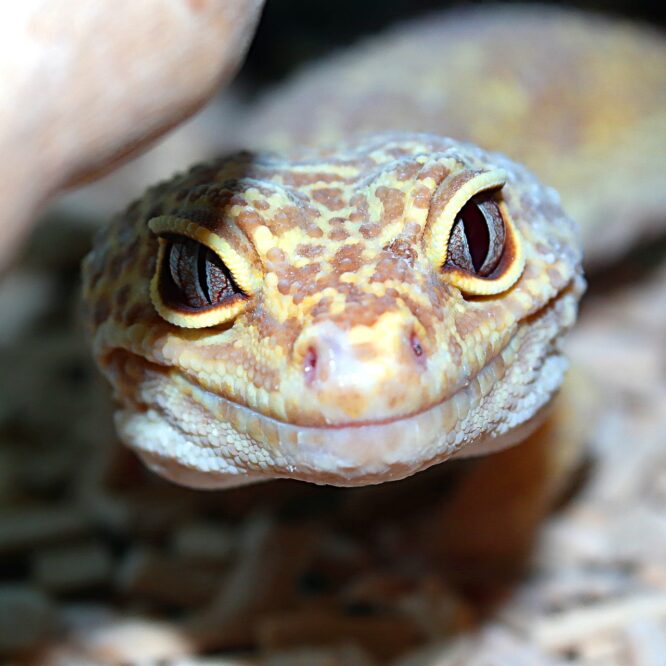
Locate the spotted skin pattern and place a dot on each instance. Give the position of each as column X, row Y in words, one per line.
column 580, row 99
column 352, row 357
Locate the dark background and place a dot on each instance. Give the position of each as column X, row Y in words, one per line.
column 295, row 31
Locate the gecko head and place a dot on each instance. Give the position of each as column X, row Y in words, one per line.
column 346, row 317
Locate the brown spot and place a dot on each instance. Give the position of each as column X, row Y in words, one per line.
column 438, row 172
column 330, row 197
column 284, row 335
column 314, row 231
column 276, row 255
column 393, row 202
column 407, row 170
column 301, row 281
column 284, row 285
column 388, row 268
column 360, row 203
column 403, row 249
column 237, row 199
column 370, row 230
column 362, row 309
column 137, row 312
column 248, row 221
column 320, row 311
column 309, row 251
column 338, row 234
column 261, row 204
column 422, row 196
column 467, row 323
column 348, row 259
column 412, row 232
column 207, row 205
column 285, row 218
column 424, row 314
column 279, row 334
column 397, row 151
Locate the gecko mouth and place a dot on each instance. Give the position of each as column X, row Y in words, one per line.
column 241, row 445
column 201, row 439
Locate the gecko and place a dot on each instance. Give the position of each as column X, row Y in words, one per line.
column 374, row 298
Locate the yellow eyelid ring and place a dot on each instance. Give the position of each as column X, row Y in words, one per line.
column 451, row 196
column 244, row 274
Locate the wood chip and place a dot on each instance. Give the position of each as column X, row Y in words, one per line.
column 26, row 528
column 173, row 581
column 563, row 630
column 382, row 636
column 27, row 619
column 72, row 567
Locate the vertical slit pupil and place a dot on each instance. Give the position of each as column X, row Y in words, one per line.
column 202, row 271
column 476, row 232
column 193, row 276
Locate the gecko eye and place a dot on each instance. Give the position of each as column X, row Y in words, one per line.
column 477, row 238
column 194, row 277
column 200, row 279
column 470, row 237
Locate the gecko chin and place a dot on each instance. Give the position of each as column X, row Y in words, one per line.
column 199, row 439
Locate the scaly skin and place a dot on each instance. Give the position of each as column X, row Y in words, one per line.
column 356, row 355
column 579, row 99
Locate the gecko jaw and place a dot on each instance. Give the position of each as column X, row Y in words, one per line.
column 223, row 443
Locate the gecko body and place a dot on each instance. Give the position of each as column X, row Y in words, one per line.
column 360, row 298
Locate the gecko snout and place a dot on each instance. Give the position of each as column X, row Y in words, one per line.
column 362, row 372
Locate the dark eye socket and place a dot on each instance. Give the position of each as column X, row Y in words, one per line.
column 193, row 277
column 477, row 238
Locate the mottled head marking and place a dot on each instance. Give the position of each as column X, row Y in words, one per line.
column 362, row 326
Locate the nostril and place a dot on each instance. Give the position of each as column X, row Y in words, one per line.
column 310, row 364
column 416, row 346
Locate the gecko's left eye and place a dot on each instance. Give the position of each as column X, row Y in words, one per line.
column 470, row 237
column 477, row 238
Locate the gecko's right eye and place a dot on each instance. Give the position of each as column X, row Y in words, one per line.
column 194, row 277
column 200, row 280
